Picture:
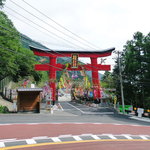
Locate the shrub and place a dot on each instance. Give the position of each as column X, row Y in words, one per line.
column 4, row 109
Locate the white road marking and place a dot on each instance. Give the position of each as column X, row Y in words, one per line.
column 30, row 141
column 53, row 123
column 110, row 135
column 127, row 136
column 56, row 139
column 77, row 138
column 117, row 124
column 40, row 137
column 5, row 124
column 75, row 107
column 67, row 135
column 7, row 140
column 143, row 137
column 2, row 144
column 32, row 123
column 95, row 137
column 98, row 123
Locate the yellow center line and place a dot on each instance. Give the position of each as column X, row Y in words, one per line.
column 72, row 142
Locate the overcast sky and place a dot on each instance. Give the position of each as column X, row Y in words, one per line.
column 104, row 23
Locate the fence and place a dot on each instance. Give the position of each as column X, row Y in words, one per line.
column 5, row 91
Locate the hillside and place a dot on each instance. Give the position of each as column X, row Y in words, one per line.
column 26, row 41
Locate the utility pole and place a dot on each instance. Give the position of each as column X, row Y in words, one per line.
column 121, row 85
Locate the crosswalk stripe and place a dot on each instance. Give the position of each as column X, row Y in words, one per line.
column 30, row 141
column 143, row 137
column 55, row 139
column 95, row 137
column 127, row 136
column 77, row 138
column 2, row 144
column 110, row 136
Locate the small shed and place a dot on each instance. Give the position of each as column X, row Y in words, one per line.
column 28, row 99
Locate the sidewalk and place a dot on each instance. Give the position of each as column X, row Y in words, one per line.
column 140, row 118
column 136, row 117
column 8, row 104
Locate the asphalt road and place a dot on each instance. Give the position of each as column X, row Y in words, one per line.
column 71, row 113
column 73, row 135
column 76, row 127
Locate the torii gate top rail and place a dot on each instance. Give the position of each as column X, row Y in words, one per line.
column 52, row 67
column 67, row 53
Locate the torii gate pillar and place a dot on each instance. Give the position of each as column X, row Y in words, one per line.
column 95, row 78
column 52, row 77
column 52, row 67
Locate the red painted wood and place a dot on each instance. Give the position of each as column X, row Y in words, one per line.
column 59, row 67
column 54, row 54
column 52, row 77
column 95, row 78
column 52, row 67
column 42, row 67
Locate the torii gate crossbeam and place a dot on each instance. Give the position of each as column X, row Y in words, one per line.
column 52, row 67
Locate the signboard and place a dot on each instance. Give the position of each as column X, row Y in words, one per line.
column 74, row 61
column 140, row 111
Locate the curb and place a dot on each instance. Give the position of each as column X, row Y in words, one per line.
column 71, row 138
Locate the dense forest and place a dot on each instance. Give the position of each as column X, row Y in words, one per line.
column 135, row 67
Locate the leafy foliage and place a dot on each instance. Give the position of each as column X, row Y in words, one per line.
column 136, row 70
column 107, row 80
column 9, row 47
column 15, row 60
column 4, row 109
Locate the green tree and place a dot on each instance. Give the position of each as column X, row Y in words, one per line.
column 9, row 45
column 136, row 70
column 107, row 80
column 15, row 61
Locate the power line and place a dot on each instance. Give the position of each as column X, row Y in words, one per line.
column 50, row 25
column 13, row 51
column 44, row 28
column 27, row 39
column 25, row 55
column 31, row 57
column 49, row 49
column 31, row 40
column 36, row 24
column 32, row 27
column 60, row 25
column 39, row 18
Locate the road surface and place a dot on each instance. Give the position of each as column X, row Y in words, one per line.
column 76, row 127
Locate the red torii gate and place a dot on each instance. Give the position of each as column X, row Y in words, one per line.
column 52, row 67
